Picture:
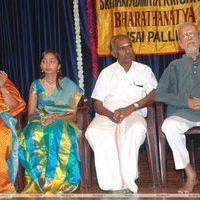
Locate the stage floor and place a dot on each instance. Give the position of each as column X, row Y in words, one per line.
column 104, row 196
column 146, row 189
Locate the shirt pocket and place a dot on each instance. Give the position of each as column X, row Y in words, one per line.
column 137, row 90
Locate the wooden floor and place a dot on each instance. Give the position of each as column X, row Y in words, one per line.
column 146, row 190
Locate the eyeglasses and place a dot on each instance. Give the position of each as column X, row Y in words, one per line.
column 189, row 35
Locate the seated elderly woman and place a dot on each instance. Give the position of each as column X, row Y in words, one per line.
column 48, row 144
column 11, row 104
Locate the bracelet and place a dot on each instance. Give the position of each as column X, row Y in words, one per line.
column 136, row 105
column 5, row 92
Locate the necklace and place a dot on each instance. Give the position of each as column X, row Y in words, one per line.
column 52, row 84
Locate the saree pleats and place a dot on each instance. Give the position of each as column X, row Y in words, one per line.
column 50, row 153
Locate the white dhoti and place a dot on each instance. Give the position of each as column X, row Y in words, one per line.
column 174, row 128
column 116, row 146
column 116, row 149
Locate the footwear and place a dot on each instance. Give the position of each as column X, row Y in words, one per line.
column 123, row 191
column 127, row 191
column 47, row 185
column 41, row 182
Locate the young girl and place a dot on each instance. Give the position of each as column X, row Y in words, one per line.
column 48, row 144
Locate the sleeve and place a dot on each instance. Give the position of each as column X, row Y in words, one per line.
column 151, row 82
column 70, row 94
column 167, row 89
column 15, row 94
column 101, row 87
column 77, row 94
column 33, row 89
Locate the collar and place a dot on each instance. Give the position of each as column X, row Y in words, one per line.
column 197, row 58
column 121, row 68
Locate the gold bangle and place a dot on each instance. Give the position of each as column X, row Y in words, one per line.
column 5, row 92
column 136, row 105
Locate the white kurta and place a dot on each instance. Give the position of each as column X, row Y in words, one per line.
column 116, row 146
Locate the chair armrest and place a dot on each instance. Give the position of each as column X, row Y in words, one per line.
column 160, row 110
column 193, row 131
column 83, row 113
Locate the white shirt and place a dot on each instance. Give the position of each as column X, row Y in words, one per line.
column 117, row 88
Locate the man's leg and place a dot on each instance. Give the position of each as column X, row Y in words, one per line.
column 132, row 136
column 101, row 137
column 174, row 129
column 191, row 180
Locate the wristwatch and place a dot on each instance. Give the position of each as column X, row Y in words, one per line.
column 136, row 105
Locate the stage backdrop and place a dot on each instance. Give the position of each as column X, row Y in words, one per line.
column 151, row 25
column 28, row 27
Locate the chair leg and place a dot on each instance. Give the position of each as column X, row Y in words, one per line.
column 162, row 153
column 83, row 184
column 192, row 152
column 152, row 157
column 149, row 157
column 88, row 164
column 20, row 181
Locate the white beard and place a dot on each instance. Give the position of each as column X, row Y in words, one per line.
column 192, row 49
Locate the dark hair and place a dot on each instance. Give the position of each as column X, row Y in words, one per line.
column 59, row 73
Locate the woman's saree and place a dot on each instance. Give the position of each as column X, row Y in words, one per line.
column 9, row 140
column 50, row 153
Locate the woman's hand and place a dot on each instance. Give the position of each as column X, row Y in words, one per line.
column 48, row 119
column 3, row 78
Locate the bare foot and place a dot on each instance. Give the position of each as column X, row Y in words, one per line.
column 188, row 186
column 190, row 182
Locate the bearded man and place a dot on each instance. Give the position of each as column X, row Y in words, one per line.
column 179, row 88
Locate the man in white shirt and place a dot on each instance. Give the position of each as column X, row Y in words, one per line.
column 119, row 127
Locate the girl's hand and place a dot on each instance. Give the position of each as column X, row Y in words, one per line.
column 48, row 119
